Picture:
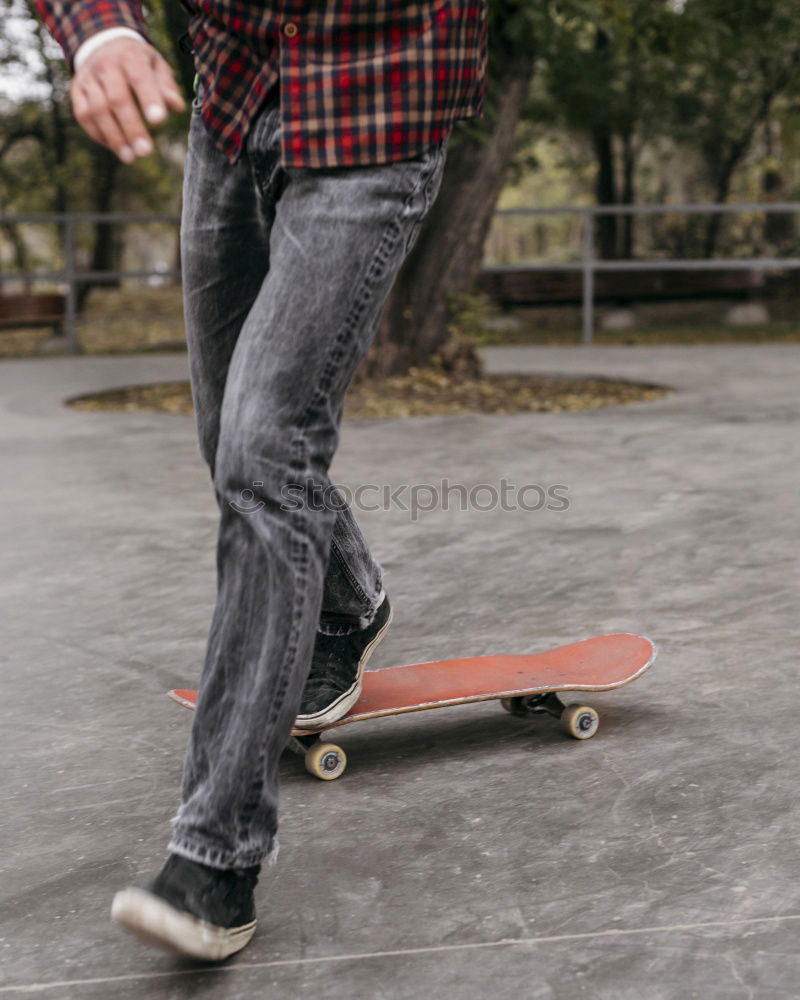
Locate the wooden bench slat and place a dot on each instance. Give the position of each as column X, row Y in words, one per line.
column 520, row 287
column 30, row 309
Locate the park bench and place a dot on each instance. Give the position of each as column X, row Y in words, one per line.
column 517, row 287
column 27, row 309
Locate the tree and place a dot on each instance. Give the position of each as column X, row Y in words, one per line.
column 447, row 256
column 684, row 77
column 609, row 73
column 743, row 59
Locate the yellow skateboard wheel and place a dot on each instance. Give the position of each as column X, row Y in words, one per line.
column 580, row 721
column 326, row 761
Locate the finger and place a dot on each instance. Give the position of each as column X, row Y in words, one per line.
column 102, row 116
column 122, row 118
column 167, row 85
column 146, row 87
column 80, row 108
column 85, row 103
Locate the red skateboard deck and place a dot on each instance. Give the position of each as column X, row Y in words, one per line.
column 523, row 683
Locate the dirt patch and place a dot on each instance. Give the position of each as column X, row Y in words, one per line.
column 421, row 393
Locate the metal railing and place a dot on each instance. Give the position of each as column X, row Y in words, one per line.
column 589, row 265
column 70, row 275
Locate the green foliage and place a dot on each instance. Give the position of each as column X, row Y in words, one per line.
column 468, row 314
column 693, row 88
column 743, row 64
column 608, row 62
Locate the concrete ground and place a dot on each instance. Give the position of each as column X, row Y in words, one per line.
column 466, row 853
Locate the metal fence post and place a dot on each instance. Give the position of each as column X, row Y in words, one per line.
column 588, row 276
column 71, row 313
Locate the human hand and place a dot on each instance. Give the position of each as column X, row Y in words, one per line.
column 105, row 91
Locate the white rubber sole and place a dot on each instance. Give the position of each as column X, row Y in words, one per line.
column 339, row 708
column 155, row 922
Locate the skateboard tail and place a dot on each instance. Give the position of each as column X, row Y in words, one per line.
column 186, row 698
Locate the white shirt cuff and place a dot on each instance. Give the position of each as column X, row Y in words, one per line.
column 86, row 48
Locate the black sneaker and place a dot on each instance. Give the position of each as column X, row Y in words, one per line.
column 191, row 909
column 337, row 666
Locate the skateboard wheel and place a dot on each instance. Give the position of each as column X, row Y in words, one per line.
column 326, row 761
column 580, row 721
column 513, row 705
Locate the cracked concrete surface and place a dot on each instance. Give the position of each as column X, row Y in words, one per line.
column 466, row 853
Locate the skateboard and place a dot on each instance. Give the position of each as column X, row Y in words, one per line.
column 523, row 684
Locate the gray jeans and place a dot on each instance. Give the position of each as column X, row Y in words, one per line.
column 285, row 275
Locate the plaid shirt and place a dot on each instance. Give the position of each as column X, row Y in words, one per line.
column 360, row 81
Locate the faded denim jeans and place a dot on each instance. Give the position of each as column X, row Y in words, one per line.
column 285, row 275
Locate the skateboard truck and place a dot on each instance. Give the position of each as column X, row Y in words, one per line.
column 579, row 721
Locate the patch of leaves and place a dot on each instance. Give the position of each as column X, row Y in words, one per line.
column 423, row 392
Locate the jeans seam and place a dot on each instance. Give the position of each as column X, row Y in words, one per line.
column 362, row 595
column 439, row 150
column 374, row 272
column 300, row 567
column 299, row 562
column 264, row 184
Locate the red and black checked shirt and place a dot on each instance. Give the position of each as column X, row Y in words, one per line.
column 361, row 81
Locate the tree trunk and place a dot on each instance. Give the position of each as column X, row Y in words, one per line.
column 21, row 257
column 779, row 228
column 448, row 254
column 55, row 151
column 107, row 241
column 722, row 190
column 605, row 180
column 728, row 165
column 605, row 190
column 628, row 196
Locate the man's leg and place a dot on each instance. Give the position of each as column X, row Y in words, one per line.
column 228, row 214
column 336, row 243
column 336, row 239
